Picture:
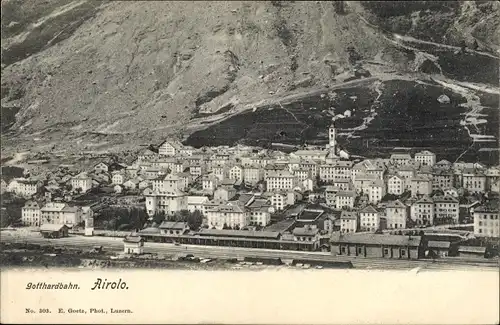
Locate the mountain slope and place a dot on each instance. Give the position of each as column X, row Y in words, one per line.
column 128, row 73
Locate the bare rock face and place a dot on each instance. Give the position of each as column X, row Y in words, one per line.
column 134, row 72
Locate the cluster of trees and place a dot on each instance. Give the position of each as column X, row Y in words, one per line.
column 113, row 218
column 193, row 219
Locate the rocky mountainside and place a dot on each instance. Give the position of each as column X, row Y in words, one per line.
column 86, row 75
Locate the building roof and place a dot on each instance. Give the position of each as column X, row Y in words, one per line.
column 239, row 233
column 197, row 199
column 425, row 199
column 438, row 244
column 348, row 215
column 305, row 231
column 472, row 249
column 369, row 209
column 133, row 239
column 395, row 204
column 309, row 215
column 173, row 225
column 444, row 198
column 51, row 227
column 346, row 193
column 425, row 153
column 376, row 239
column 31, row 205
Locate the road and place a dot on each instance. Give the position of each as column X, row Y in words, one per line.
column 116, row 244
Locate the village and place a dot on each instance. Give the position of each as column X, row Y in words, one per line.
column 312, row 199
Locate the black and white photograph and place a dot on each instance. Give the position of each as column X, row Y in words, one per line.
column 247, row 138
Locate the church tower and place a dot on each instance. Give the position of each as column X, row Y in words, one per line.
column 332, row 142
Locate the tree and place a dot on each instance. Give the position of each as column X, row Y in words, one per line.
column 475, row 46
column 225, row 226
column 194, row 220
column 159, row 217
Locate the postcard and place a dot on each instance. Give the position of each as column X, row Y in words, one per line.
column 254, row 162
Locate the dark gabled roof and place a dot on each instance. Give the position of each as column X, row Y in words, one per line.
column 472, row 249
column 369, row 209
column 438, row 244
column 376, row 239
column 133, row 239
column 173, row 225
column 310, row 215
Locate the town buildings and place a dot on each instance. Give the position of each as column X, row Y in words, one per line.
column 30, row 214
column 396, row 214
column 486, row 221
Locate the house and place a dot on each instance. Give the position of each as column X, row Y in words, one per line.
column 169, row 182
column 30, row 214
column 60, row 213
column 446, row 210
column 229, row 215
column 283, row 180
column 442, row 179
column 327, row 172
column 170, row 148
column 170, row 201
column 421, row 185
column 252, row 174
column 453, row 192
column 400, row 159
column 174, row 228
column 260, row 211
column 363, row 181
column 349, row 221
column 54, row 230
column 197, row 170
column 396, row 213
column 131, row 184
column 370, row 219
column 376, row 245
column 279, row 200
column 308, row 184
column 443, row 164
column 101, row 168
column 472, row 251
column 118, row 189
column 27, row 188
column 81, row 182
column 407, row 173
column 316, row 155
column 146, row 154
column 118, row 178
column 330, row 195
column 220, row 171
column 236, row 173
column 307, row 234
column 376, row 191
column 197, row 203
column 224, row 193
column 437, row 248
column 422, row 211
column 133, row 244
column 474, row 181
column 344, row 199
column 486, row 221
column 395, row 185
column 493, row 179
column 425, row 158
column 209, row 183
